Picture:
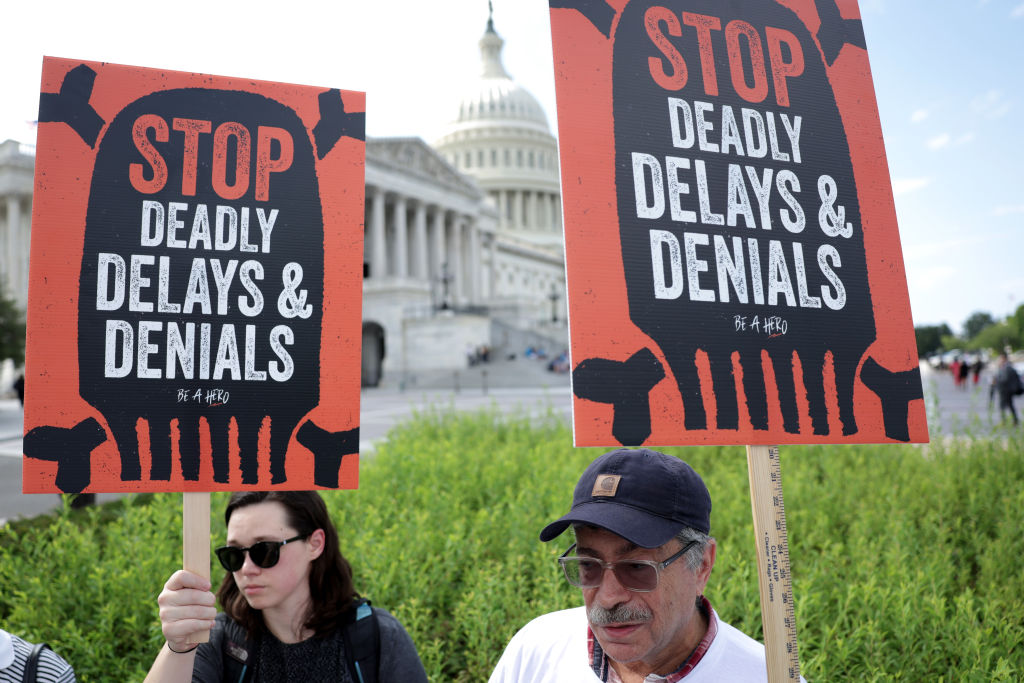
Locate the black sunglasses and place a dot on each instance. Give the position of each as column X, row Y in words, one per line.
column 264, row 554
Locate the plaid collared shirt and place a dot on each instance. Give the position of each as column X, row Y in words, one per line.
column 602, row 667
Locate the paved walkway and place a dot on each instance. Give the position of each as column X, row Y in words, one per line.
column 964, row 410
column 522, row 386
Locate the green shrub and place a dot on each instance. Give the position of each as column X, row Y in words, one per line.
column 907, row 562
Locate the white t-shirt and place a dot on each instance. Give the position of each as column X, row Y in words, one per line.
column 553, row 649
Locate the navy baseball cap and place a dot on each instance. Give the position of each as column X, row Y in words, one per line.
column 644, row 496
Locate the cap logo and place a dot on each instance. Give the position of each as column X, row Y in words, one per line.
column 606, row 485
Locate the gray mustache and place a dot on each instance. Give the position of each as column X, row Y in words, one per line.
column 599, row 616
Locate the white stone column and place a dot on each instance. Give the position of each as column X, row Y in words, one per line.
column 558, row 213
column 474, row 256
column 6, row 251
column 23, row 249
column 420, row 252
column 517, row 209
column 502, row 221
column 493, row 247
column 549, row 211
column 439, row 241
column 378, row 253
column 531, row 204
column 455, row 260
column 18, row 255
column 401, row 254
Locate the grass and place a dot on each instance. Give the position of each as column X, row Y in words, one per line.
column 907, row 564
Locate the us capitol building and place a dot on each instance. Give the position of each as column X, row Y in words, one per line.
column 462, row 239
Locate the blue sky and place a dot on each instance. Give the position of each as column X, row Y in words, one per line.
column 948, row 79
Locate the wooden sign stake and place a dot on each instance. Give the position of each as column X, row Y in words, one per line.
column 195, row 524
column 777, row 614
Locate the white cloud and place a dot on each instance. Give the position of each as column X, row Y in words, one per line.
column 1008, row 210
column 908, row 185
column 930, row 277
column 992, row 104
column 1000, row 111
column 964, row 139
column 939, row 141
column 919, row 116
column 1017, row 11
column 935, row 251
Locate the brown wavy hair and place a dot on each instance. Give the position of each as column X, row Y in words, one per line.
column 331, row 589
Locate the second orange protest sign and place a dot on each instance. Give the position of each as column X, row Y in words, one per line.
column 733, row 260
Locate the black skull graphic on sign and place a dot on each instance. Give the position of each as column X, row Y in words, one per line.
column 201, row 284
column 738, row 211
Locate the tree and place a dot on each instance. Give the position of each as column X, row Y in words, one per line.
column 12, row 329
column 929, row 338
column 997, row 337
column 978, row 321
column 1017, row 320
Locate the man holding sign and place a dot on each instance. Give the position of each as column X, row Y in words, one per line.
column 733, row 261
column 641, row 557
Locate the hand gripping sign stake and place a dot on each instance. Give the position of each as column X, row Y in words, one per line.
column 200, row 229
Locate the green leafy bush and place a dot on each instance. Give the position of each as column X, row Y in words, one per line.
column 907, row 562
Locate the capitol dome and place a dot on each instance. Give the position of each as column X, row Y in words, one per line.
column 496, row 97
column 500, row 137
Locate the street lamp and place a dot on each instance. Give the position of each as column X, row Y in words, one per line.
column 445, row 279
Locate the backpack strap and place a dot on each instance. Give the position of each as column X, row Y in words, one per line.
column 32, row 663
column 362, row 642
column 238, row 654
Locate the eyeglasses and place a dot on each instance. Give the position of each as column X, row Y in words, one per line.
column 639, row 576
column 263, row 554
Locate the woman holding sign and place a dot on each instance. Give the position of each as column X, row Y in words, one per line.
column 291, row 611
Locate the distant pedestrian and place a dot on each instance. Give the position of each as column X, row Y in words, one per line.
column 954, row 370
column 964, row 370
column 1007, row 385
column 976, row 368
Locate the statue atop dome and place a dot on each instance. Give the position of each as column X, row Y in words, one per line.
column 490, row 49
column 500, row 137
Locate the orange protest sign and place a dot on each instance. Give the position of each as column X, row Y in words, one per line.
column 733, row 260
column 195, row 283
